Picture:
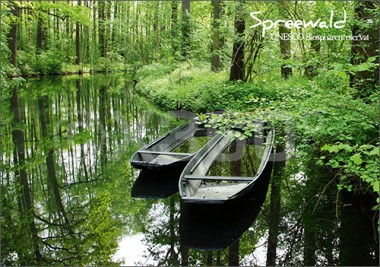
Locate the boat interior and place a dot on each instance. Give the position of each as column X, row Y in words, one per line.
column 236, row 166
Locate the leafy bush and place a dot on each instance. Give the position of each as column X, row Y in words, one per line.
column 353, row 162
column 195, row 87
column 47, row 62
column 318, row 113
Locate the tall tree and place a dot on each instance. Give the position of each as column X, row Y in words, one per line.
column 174, row 25
column 77, row 42
column 285, row 48
column 285, row 41
column 19, row 155
column 185, row 28
column 39, row 39
column 216, row 43
column 367, row 23
column 102, row 27
column 237, row 67
column 315, row 48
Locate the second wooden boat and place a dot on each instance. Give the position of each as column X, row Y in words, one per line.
column 226, row 168
column 174, row 149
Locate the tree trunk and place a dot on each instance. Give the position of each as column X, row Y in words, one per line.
column 41, row 41
column 185, row 28
column 367, row 80
column 77, row 43
column 25, row 199
column 174, row 25
column 158, row 31
column 13, row 35
column 56, row 29
column 285, row 48
column 215, row 58
column 108, row 44
column 315, row 48
column 115, row 22
column 39, row 34
column 101, row 30
column 237, row 68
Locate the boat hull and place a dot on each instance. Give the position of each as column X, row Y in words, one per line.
column 197, row 184
column 161, row 154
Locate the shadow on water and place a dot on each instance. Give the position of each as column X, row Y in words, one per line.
column 215, row 227
column 155, row 184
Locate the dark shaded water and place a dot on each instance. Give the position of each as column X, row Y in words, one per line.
column 72, row 145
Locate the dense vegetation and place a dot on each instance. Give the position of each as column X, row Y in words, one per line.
column 321, row 96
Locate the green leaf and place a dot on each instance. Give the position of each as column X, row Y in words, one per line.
column 375, row 151
column 357, row 159
column 375, row 186
column 325, row 147
column 237, row 134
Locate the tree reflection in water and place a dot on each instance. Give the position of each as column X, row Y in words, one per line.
column 66, row 186
column 76, row 136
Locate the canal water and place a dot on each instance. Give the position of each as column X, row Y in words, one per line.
column 90, row 207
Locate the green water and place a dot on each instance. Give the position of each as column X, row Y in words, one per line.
column 79, row 134
column 66, row 185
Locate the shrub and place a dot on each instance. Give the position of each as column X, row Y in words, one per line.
column 47, row 62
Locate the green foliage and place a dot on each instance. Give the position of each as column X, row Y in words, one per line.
column 111, row 64
column 47, row 62
column 319, row 118
column 104, row 232
column 352, row 162
column 315, row 112
column 369, row 65
column 193, row 86
column 237, row 125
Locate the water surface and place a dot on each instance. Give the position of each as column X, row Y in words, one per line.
column 77, row 137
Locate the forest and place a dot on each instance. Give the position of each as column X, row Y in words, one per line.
column 85, row 83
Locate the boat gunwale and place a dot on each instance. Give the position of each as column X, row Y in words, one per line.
column 263, row 164
column 138, row 162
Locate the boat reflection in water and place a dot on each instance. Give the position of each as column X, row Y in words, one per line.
column 215, row 227
column 155, row 184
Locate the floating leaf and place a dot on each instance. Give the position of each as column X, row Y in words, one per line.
column 237, row 134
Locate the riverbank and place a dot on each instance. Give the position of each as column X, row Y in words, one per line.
column 34, row 68
column 196, row 88
column 320, row 115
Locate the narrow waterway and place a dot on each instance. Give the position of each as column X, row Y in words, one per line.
column 78, row 135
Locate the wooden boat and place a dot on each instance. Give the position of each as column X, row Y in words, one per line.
column 174, row 149
column 206, row 227
column 226, row 168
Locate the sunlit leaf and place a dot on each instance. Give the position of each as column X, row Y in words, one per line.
column 357, row 159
